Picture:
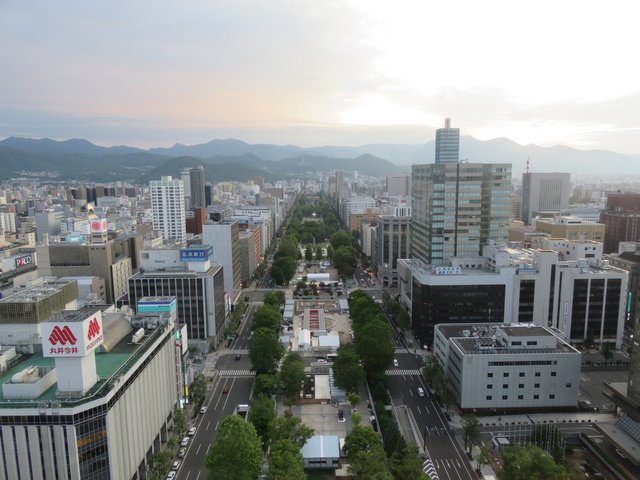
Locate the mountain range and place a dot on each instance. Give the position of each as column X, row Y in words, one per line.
column 79, row 159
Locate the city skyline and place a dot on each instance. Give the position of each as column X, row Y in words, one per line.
column 350, row 73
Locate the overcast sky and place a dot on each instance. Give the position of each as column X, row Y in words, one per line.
column 153, row 72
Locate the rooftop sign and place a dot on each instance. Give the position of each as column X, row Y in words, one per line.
column 72, row 339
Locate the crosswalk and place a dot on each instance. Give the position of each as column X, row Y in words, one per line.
column 236, row 373
column 433, row 431
column 241, row 351
column 401, row 350
column 399, row 371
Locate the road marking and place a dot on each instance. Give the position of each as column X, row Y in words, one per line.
column 207, row 453
column 419, row 411
column 208, row 423
column 198, row 475
column 198, row 450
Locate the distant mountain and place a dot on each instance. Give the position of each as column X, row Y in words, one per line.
column 74, row 145
column 230, row 147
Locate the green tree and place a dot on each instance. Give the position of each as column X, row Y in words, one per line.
column 267, row 316
column 292, row 374
column 374, row 344
column 319, row 255
column 393, row 439
column 483, row 459
column 275, row 299
column 345, row 261
column 348, row 373
column 340, row 239
column 290, row 428
column 236, row 453
column 530, row 463
column 265, row 350
column 369, row 465
column 330, row 252
column 159, row 464
column 406, row 464
column 285, row 462
column 354, row 399
column 265, row 384
column 179, row 421
column 606, row 352
column 262, row 413
column 308, row 253
column 471, row 434
column 198, row 389
column 361, row 439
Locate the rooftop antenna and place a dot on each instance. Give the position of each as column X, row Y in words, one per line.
column 528, row 165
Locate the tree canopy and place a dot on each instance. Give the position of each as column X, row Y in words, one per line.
column 347, row 371
column 290, row 428
column 292, row 374
column 237, row 452
column 265, row 350
column 262, row 413
column 530, row 463
column 285, row 462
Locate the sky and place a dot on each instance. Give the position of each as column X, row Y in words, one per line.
column 154, row 72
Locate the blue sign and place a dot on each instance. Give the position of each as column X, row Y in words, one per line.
column 196, row 254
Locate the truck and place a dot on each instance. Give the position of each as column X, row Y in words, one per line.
column 242, row 409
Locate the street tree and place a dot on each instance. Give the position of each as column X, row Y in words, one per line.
column 262, row 413
column 159, row 464
column 354, row 399
column 369, row 465
column 265, row 384
column 265, row 350
column 285, row 462
column 348, row 373
column 267, row 316
column 530, row 463
column 471, row 434
column 237, row 451
column 319, row 253
column 290, row 428
column 308, row 253
column 374, row 344
column 345, row 261
column 179, row 421
column 361, row 439
column 406, row 464
column 292, row 374
column 274, row 299
column 340, row 239
column 198, row 389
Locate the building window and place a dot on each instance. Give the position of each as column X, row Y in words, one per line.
column 521, row 385
column 505, row 385
column 536, row 397
column 522, row 374
column 505, row 397
column 553, row 374
column 537, row 385
column 489, row 375
column 537, row 374
column 568, row 385
column 552, row 396
column 488, row 397
column 520, row 397
column 505, row 374
column 489, row 386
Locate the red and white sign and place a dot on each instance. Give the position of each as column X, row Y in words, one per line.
column 72, row 339
column 99, row 225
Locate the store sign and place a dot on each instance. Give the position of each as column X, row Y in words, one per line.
column 72, row 339
column 24, row 261
column 196, row 254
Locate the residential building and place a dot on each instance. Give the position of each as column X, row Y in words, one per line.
column 167, row 204
column 508, row 367
column 196, row 180
column 621, row 219
column 546, row 192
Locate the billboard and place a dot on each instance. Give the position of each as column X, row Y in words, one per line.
column 25, row 261
column 72, row 339
column 196, row 254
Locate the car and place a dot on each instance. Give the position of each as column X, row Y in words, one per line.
column 238, row 356
column 184, row 442
column 225, row 389
column 182, row 452
column 395, row 362
column 372, row 418
column 171, row 475
column 176, row 465
column 620, row 454
column 341, row 416
column 203, row 410
column 192, row 431
column 420, row 392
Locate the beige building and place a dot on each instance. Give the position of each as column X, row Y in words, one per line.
column 571, row 228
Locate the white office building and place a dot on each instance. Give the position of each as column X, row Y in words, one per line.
column 502, row 367
column 167, row 204
column 544, row 192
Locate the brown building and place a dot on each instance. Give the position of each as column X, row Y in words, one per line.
column 195, row 220
column 571, row 228
column 621, row 219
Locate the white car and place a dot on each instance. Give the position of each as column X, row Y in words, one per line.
column 171, row 475
column 203, row 409
column 184, row 442
column 395, row 362
column 420, row 392
column 176, row 465
column 192, row 431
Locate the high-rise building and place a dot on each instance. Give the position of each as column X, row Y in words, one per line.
column 621, row 220
column 458, row 208
column 392, row 244
column 398, row 184
column 225, row 240
column 197, row 187
column 447, row 143
column 167, row 204
column 544, row 192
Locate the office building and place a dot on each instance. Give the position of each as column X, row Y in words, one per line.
column 93, row 404
column 502, row 368
column 621, row 219
column 544, row 192
column 167, row 204
column 457, row 208
column 571, row 228
column 392, row 244
column 583, row 297
column 187, row 274
column 224, row 238
column 196, row 177
column 447, row 143
column 398, row 185
column 249, row 253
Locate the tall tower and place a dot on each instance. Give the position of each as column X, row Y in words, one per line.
column 196, row 176
column 447, row 143
column 167, row 204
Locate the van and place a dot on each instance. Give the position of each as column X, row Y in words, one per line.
column 420, row 392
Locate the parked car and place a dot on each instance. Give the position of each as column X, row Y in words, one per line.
column 192, row 431
column 185, row 441
column 176, row 465
column 182, row 452
column 171, row 475
column 203, row 410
